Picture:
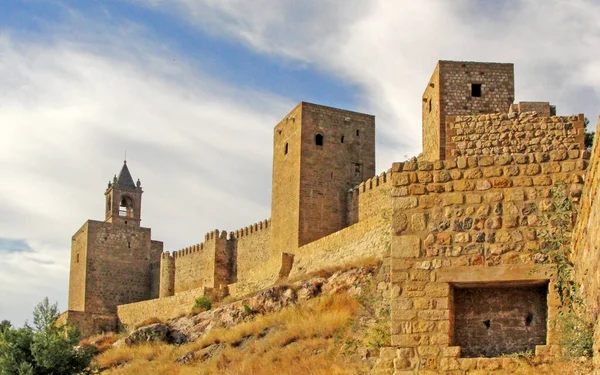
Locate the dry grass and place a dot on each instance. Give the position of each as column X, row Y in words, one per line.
column 102, row 342
column 297, row 339
column 147, row 322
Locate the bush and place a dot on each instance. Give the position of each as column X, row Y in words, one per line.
column 203, row 303
column 45, row 349
column 576, row 335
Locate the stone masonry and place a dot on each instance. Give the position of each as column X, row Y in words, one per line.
column 460, row 223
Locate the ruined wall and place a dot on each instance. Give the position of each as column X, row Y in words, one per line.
column 119, row 262
column 464, row 223
column 202, row 265
column 370, row 198
column 541, row 108
column 500, row 133
column 78, row 267
column 586, row 247
column 252, row 248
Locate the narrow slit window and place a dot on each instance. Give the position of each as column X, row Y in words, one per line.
column 319, row 140
column 78, row 258
column 342, row 139
column 129, row 244
column 429, row 105
column 357, row 132
column 476, row 90
column 286, row 149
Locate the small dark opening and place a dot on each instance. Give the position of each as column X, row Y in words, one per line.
column 319, row 140
column 429, row 105
column 77, row 258
column 342, row 140
column 125, row 221
column 487, row 323
column 286, row 149
column 476, row 90
column 129, row 244
column 529, row 319
column 357, row 132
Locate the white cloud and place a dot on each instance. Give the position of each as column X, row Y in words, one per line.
column 389, row 48
column 69, row 109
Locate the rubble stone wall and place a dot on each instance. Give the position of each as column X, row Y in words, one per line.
column 500, row 133
column 469, row 222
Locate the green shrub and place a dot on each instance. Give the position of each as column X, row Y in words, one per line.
column 45, row 349
column 203, row 303
column 576, row 335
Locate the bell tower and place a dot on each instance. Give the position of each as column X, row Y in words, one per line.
column 124, row 199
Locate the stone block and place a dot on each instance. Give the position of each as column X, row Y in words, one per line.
column 405, row 203
column 406, row 247
column 451, row 351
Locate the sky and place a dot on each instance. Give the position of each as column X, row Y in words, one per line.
column 191, row 90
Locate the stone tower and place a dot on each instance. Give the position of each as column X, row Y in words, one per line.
column 319, row 153
column 113, row 262
column 124, row 199
column 462, row 88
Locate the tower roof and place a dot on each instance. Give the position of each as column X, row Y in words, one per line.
column 125, row 181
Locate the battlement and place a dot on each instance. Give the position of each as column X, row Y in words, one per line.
column 250, row 229
column 209, row 236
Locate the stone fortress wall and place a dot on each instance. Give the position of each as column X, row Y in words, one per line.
column 460, row 223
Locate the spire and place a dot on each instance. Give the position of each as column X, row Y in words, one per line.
column 125, row 181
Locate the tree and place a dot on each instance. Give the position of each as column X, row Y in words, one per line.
column 46, row 349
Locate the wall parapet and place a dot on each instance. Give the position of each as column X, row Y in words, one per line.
column 210, row 236
column 250, row 229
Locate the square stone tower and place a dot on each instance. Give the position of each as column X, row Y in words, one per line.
column 319, row 153
column 462, row 88
column 113, row 262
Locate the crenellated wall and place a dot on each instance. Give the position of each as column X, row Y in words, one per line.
column 370, row 198
column 207, row 264
column 251, row 246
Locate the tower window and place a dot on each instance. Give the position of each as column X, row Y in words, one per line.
column 357, row 132
column 126, row 207
column 429, row 105
column 129, row 244
column 342, row 140
column 476, row 90
column 319, row 140
column 286, row 149
column 77, row 258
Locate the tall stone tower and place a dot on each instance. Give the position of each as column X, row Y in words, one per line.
column 462, row 88
column 113, row 262
column 319, row 153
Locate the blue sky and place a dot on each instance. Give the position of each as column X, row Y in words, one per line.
column 193, row 89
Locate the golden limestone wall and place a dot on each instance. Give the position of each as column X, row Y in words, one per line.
column 251, row 246
column 202, row 265
column 162, row 308
column 501, row 133
column 462, row 225
column 370, row 198
column 586, row 245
